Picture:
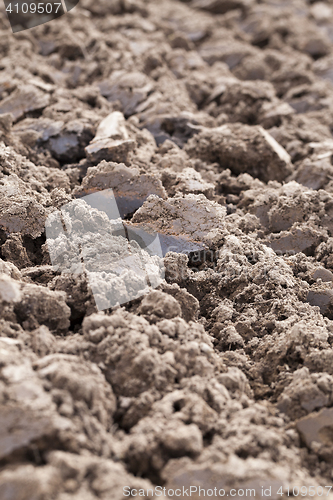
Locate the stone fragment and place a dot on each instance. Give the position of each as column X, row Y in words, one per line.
column 111, row 142
column 112, row 126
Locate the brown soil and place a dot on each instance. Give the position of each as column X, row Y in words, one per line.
column 219, row 139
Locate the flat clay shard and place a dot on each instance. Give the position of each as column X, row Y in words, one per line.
column 25, row 99
column 130, row 186
column 183, row 224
